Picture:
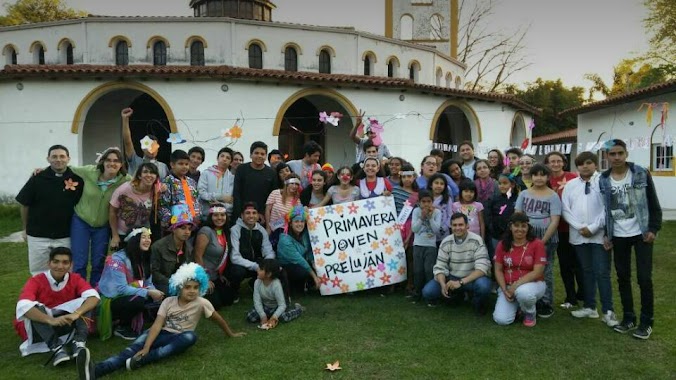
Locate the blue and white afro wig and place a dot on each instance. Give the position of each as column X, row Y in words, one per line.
column 185, row 273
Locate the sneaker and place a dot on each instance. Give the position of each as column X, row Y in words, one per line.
column 432, row 304
column 568, row 306
column 77, row 347
column 85, row 366
column 61, row 356
column 643, row 332
column 624, row 327
column 609, row 319
column 133, row 363
column 529, row 320
column 585, row 313
column 236, row 300
column 545, row 311
column 126, row 334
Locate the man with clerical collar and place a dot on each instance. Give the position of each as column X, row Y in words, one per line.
column 462, row 266
column 52, row 308
column 47, row 200
column 149, row 153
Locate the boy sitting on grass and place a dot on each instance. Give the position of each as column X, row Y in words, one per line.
column 173, row 330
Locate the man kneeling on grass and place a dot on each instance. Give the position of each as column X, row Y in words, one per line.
column 462, row 266
column 51, row 309
column 173, row 330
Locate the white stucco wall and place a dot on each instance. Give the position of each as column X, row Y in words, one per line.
column 41, row 115
column 226, row 41
column 626, row 122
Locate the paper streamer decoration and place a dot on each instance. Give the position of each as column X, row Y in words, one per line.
column 357, row 245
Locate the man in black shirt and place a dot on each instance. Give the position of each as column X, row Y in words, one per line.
column 254, row 181
column 48, row 199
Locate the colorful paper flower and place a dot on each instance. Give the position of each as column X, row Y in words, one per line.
column 70, row 184
column 149, row 145
column 175, row 138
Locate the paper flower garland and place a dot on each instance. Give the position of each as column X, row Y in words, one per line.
column 233, row 134
column 525, row 143
column 333, row 118
column 175, row 138
column 377, row 128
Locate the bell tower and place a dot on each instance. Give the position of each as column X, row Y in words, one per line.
column 426, row 22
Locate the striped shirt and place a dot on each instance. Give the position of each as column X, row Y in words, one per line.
column 460, row 260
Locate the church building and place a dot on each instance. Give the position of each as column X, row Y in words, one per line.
column 191, row 79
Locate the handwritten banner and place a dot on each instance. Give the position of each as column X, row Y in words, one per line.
column 357, row 245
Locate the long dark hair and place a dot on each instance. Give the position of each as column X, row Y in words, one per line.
column 335, row 180
column 276, row 272
column 444, row 194
column 508, row 239
column 140, row 261
column 306, row 194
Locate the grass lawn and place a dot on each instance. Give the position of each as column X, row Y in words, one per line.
column 387, row 337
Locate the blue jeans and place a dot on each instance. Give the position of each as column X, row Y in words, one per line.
column 84, row 237
column 595, row 263
column 480, row 288
column 166, row 344
column 549, row 273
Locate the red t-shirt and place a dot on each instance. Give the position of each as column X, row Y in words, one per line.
column 557, row 184
column 372, row 185
column 519, row 261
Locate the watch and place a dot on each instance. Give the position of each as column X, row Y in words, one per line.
column 462, row 283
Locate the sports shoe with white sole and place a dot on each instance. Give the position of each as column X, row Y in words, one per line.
column 585, row 313
column 85, row 365
column 61, row 356
column 643, row 332
column 610, row 319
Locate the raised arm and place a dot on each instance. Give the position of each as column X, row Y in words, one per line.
column 126, row 133
column 357, row 124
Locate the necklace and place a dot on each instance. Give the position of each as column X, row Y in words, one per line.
column 509, row 264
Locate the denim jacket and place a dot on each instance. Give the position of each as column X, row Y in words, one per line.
column 643, row 195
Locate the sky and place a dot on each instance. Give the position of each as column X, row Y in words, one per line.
column 566, row 39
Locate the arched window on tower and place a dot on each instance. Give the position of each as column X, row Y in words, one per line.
column 69, row 54
column 406, row 27
column 39, row 54
column 367, row 65
column 325, row 62
column 122, row 53
column 255, row 56
column 197, row 53
column 290, row 59
column 436, row 27
column 159, row 53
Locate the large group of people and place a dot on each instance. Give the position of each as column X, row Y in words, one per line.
column 168, row 244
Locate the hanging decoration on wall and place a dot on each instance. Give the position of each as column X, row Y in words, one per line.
column 525, row 143
column 377, row 128
column 175, row 138
column 650, row 107
column 232, row 134
column 149, row 145
column 531, row 126
column 332, row 118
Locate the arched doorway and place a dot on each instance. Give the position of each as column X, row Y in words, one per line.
column 98, row 122
column 518, row 133
column 298, row 122
column 453, row 123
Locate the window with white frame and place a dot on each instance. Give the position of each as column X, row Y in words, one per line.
column 662, row 158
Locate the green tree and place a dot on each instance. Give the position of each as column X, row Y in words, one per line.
column 31, row 11
column 661, row 23
column 630, row 75
column 552, row 97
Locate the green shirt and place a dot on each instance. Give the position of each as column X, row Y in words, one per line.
column 93, row 206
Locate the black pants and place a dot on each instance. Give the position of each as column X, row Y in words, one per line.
column 50, row 334
column 298, row 277
column 571, row 271
column 223, row 294
column 124, row 309
column 236, row 274
column 644, row 274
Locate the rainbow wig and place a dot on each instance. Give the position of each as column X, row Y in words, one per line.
column 185, row 273
column 297, row 212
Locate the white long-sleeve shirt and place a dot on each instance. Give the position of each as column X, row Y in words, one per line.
column 584, row 210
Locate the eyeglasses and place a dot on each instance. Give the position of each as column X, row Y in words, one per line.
column 587, row 188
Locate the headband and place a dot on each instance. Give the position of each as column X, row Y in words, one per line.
column 292, row 180
column 371, row 158
column 105, row 152
column 217, row 208
column 408, row 172
column 136, row 231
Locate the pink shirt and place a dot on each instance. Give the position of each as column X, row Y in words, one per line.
column 133, row 209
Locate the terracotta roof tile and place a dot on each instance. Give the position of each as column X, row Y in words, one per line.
column 567, row 135
column 240, row 73
column 657, row 89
